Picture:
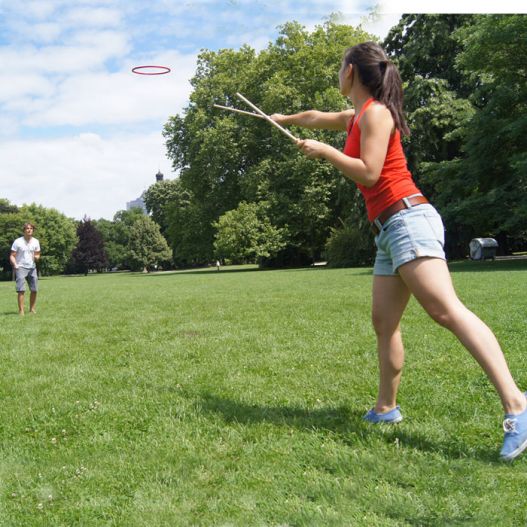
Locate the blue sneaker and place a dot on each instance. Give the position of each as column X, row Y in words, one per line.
column 515, row 440
column 391, row 417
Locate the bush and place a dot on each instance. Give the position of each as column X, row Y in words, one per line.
column 350, row 246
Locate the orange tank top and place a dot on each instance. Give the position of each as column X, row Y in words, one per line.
column 395, row 181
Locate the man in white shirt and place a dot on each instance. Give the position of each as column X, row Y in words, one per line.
column 25, row 252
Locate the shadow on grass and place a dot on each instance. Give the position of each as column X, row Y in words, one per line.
column 469, row 266
column 185, row 272
column 347, row 424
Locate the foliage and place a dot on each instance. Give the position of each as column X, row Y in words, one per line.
column 349, row 247
column 466, row 99
column 148, row 249
column 225, row 159
column 6, row 206
column 425, row 49
column 116, row 236
column 55, row 232
column 57, row 236
column 10, row 229
column 246, row 235
column 89, row 254
column 159, row 197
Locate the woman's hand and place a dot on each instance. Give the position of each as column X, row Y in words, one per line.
column 312, row 149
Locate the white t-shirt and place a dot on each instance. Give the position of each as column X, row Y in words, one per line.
column 25, row 251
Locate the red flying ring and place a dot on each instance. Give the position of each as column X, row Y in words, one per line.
column 162, row 70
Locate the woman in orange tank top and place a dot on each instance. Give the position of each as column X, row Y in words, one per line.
column 409, row 234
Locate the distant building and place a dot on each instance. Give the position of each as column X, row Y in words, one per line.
column 139, row 202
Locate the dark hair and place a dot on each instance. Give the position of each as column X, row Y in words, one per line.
column 28, row 225
column 381, row 77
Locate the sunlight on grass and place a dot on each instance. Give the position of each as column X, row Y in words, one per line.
column 235, row 398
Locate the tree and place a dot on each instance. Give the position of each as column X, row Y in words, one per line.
column 56, row 234
column 116, row 236
column 6, row 206
column 10, row 228
column 159, row 197
column 89, row 254
column 229, row 159
column 480, row 190
column 425, row 49
column 246, row 235
column 148, row 248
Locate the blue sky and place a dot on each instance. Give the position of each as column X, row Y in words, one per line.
column 79, row 132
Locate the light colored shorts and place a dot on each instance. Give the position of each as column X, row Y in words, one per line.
column 409, row 234
column 22, row 274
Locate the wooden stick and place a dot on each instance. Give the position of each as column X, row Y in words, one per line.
column 267, row 118
column 252, row 114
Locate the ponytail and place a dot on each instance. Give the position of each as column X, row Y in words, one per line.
column 381, row 77
column 391, row 95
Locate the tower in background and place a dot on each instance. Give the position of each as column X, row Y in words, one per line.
column 139, row 202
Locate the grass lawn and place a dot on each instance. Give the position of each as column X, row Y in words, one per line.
column 235, row 398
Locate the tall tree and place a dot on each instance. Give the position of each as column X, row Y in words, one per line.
column 116, row 236
column 225, row 159
column 56, row 233
column 10, row 228
column 148, row 248
column 425, row 49
column 89, row 254
column 6, row 206
column 57, row 236
column 481, row 192
column 161, row 197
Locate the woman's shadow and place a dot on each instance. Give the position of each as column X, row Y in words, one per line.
column 343, row 423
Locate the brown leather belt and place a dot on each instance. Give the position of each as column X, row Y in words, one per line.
column 404, row 203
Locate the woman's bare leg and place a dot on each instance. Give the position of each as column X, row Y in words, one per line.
column 390, row 297
column 429, row 281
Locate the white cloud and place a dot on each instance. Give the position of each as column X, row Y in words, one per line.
column 85, row 174
column 16, row 87
column 89, row 16
column 89, row 51
column 113, row 98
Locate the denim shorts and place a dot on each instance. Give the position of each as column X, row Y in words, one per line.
column 22, row 274
column 409, row 234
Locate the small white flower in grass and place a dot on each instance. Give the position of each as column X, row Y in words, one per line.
column 40, row 506
column 54, row 440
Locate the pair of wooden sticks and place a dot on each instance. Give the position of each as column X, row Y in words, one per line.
column 259, row 114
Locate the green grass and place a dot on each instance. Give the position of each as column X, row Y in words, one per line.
column 235, row 399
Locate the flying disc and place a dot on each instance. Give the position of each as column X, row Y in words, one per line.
column 151, row 70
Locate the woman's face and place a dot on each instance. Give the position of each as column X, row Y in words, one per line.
column 345, row 78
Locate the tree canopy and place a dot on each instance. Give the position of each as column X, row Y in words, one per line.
column 89, row 254
column 225, row 159
column 466, row 96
